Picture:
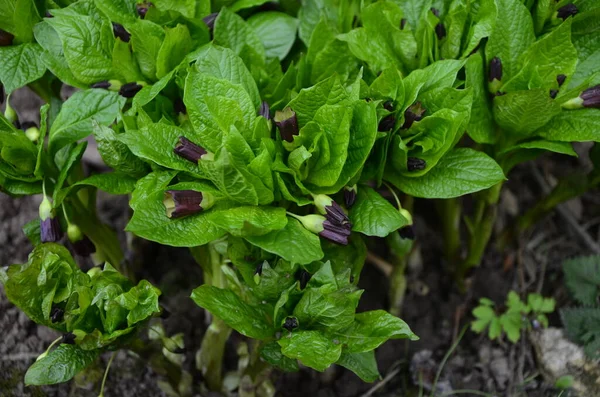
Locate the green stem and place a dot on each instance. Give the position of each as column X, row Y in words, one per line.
column 104, row 238
column 482, row 226
column 450, row 212
column 400, row 249
column 210, row 355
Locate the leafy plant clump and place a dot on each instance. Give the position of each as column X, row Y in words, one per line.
column 277, row 142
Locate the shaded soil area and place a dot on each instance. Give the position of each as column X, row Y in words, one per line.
column 434, row 308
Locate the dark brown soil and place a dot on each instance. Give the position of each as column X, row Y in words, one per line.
column 437, row 316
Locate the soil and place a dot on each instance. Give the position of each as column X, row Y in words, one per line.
column 436, row 311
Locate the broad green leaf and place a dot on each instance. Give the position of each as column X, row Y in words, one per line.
column 21, row 65
column 381, row 43
column 246, row 319
column 18, row 17
column 125, row 67
column 146, row 41
column 276, row 30
column 87, row 43
column 176, row 45
column 251, row 221
column 150, row 220
column 483, row 27
column 371, row 329
column 312, row 348
column 271, row 353
column 440, row 74
column 522, row 112
column 141, row 301
column 541, row 144
column 242, row 4
column 74, row 121
column 60, row 365
column 512, row 35
column 116, row 154
column 363, row 365
column 328, row 312
column 461, row 171
column 233, row 32
column 119, row 11
column 72, row 160
column 293, row 243
column 455, row 22
column 573, row 126
column 187, row 8
column 481, row 124
column 373, row 215
column 112, row 183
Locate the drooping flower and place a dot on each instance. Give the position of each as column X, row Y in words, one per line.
column 120, row 32
column 566, row 11
column 189, row 150
column 112, row 85
column 415, row 164
column 560, row 79
column 290, row 323
column 350, row 195
column 180, row 203
column 414, row 112
column 332, row 210
column 320, row 225
column 81, row 244
column 50, row 231
column 589, row 98
column 265, row 111
column 287, row 122
column 387, row 123
column 6, row 38
column 407, row 232
column 130, row 89
column 440, row 31
column 209, row 20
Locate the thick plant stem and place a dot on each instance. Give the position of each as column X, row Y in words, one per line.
column 450, row 212
column 400, row 249
column 481, row 228
column 210, row 356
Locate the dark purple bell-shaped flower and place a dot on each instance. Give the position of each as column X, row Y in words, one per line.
column 415, row 112
column 331, row 230
column 332, row 210
column 210, row 19
column 189, row 150
column 290, row 323
column 560, row 79
column 120, row 32
column 6, row 38
column 415, row 164
column 81, row 244
column 566, row 11
column 130, row 89
column 350, row 195
column 440, row 31
column 180, row 203
column 287, row 122
column 589, row 98
column 407, row 232
column 50, row 231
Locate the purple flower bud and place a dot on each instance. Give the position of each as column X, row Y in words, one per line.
column 415, row 164
column 566, row 11
column 50, row 231
column 102, row 84
column 120, row 32
column 495, row 69
column 265, row 111
column 57, row 314
column 435, row 12
column 179, row 203
column 130, row 89
column 553, row 93
column 287, row 122
column 335, row 233
column 179, row 106
column 591, row 97
column 414, row 113
column 290, row 323
column 68, row 338
column 142, row 9
column 48, row 14
column 389, row 106
column 189, row 150
column 209, row 20
column 349, row 195
column 407, row 232
column 440, row 31
column 6, row 38
column 402, row 23
column 332, row 211
column 304, row 278
column 259, row 269
column 84, row 247
column 387, row 123
column 560, row 79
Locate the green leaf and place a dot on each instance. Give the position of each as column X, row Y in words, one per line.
column 233, row 32
column 116, row 154
column 21, row 65
column 373, row 215
column 141, row 301
column 480, row 127
column 381, row 43
column 312, row 348
column 271, row 353
column 150, row 220
column 18, row 17
column 112, row 183
column 512, row 35
column 483, row 27
column 146, row 41
column 541, row 144
column 523, row 112
column 250, row 221
column 60, row 365
column 582, row 277
column 248, row 320
column 461, row 171
column 440, row 74
column 176, row 45
column 573, row 126
column 276, row 30
column 326, row 311
column 371, row 329
column 87, row 43
column 511, row 324
column 363, row 365
column 119, row 11
column 74, row 121
column 187, row 8
column 293, row 243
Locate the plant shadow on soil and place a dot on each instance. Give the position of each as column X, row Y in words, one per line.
column 435, row 313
